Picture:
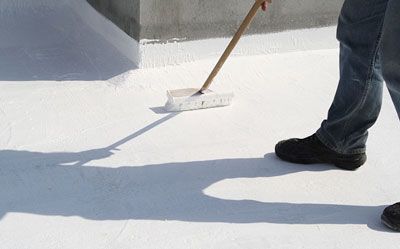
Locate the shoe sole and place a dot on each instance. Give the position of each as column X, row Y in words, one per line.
column 389, row 224
column 342, row 163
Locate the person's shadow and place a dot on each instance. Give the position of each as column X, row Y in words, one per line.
column 57, row 184
column 69, row 184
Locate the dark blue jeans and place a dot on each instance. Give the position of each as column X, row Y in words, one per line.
column 369, row 35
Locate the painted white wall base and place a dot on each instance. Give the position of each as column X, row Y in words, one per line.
column 155, row 54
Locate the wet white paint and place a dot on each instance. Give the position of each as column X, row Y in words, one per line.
column 173, row 53
column 89, row 159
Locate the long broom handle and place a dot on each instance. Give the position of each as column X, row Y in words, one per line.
column 250, row 16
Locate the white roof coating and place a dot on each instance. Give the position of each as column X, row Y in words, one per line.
column 89, row 159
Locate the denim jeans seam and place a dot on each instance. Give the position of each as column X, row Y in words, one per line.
column 368, row 81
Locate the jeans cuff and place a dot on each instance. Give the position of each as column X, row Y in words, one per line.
column 325, row 142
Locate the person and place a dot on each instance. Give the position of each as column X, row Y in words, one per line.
column 369, row 36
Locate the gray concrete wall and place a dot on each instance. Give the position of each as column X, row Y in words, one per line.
column 124, row 13
column 163, row 20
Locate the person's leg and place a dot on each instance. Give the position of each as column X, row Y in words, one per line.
column 357, row 102
column 356, row 106
column 391, row 73
column 391, row 52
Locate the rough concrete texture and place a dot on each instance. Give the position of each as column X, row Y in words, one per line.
column 124, row 13
column 162, row 20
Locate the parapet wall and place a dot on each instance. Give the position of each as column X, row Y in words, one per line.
column 155, row 33
column 164, row 20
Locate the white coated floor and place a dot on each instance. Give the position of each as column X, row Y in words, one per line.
column 89, row 159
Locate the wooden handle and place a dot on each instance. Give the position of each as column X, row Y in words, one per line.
column 232, row 44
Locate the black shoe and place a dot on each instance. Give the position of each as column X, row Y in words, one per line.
column 391, row 217
column 311, row 150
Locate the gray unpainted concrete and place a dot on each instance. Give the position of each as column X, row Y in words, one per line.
column 163, row 20
column 124, row 13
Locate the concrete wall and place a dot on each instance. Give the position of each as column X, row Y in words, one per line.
column 163, row 20
column 194, row 19
column 124, row 13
